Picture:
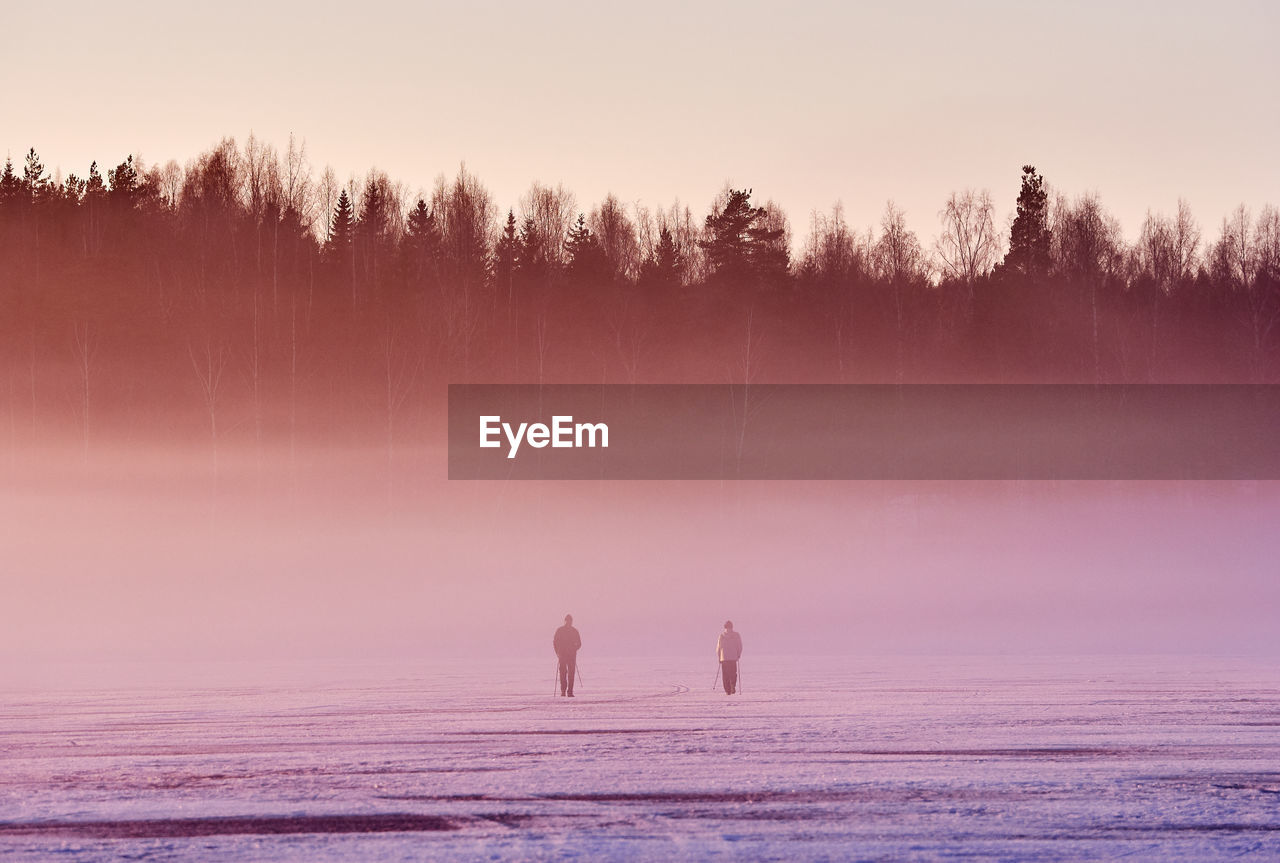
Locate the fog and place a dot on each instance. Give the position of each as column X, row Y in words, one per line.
column 142, row 554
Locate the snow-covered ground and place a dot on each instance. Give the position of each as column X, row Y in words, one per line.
column 988, row 758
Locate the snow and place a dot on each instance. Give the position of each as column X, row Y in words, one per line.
column 1006, row 758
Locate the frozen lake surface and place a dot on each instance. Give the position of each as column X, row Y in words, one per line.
column 991, row 758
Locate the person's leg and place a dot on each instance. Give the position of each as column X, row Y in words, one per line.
column 571, row 669
column 730, row 676
column 564, row 668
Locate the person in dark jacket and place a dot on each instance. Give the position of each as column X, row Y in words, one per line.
column 729, row 651
column 567, row 642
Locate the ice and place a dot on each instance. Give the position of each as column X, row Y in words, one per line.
column 1007, row 758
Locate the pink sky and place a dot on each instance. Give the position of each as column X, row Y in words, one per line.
column 807, row 103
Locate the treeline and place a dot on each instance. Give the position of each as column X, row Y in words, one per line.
column 243, row 293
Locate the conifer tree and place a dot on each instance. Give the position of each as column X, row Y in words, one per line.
column 1029, row 242
column 122, row 182
column 372, row 227
column 770, row 258
column 740, row 245
column 94, row 187
column 95, row 192
column 506, row 254
column 421, row 231
column 10, row 186
column 374, row 212
column 340, row 248
column 33, row 177
column 530, row 263
column 421, row 241
column 726, row 243
column 342, row 229
column 668, row 255
column 586, row 259
column 420, row 226
column 663, row 268
column 73, row 189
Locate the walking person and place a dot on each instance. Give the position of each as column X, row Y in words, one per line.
column 567, row 642
column 729, row 651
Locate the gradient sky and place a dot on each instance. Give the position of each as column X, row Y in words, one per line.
column 1142, row 102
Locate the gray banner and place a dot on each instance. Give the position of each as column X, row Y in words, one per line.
column 821, row 431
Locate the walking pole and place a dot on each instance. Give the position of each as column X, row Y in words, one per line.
column 555, row 680
column 717, row 677
column 579, row 670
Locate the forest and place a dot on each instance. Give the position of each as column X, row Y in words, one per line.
column 245, row 297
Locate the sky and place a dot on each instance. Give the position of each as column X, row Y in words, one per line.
column 807, row 103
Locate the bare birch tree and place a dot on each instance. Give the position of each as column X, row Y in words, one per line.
column 969, row 246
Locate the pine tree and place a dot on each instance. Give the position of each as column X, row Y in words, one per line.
column 123, row 183
column 420, row 230
column 95, row 192
column 421, row 241
column 530, row 263
column 587, row 262
column 340, row 248
column 668, row 255
column 767, row 250
column 33, row 177
column 10, row 186
column 663, row 268
column 72, row 189
column 374, row 213
column 343, row 228
column 726, row 243
column 741, row 247
column 372, row 227
column 420, row 222
column 577, row 245
column 1029, row 241
column 94, row 187
column 506, row 254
